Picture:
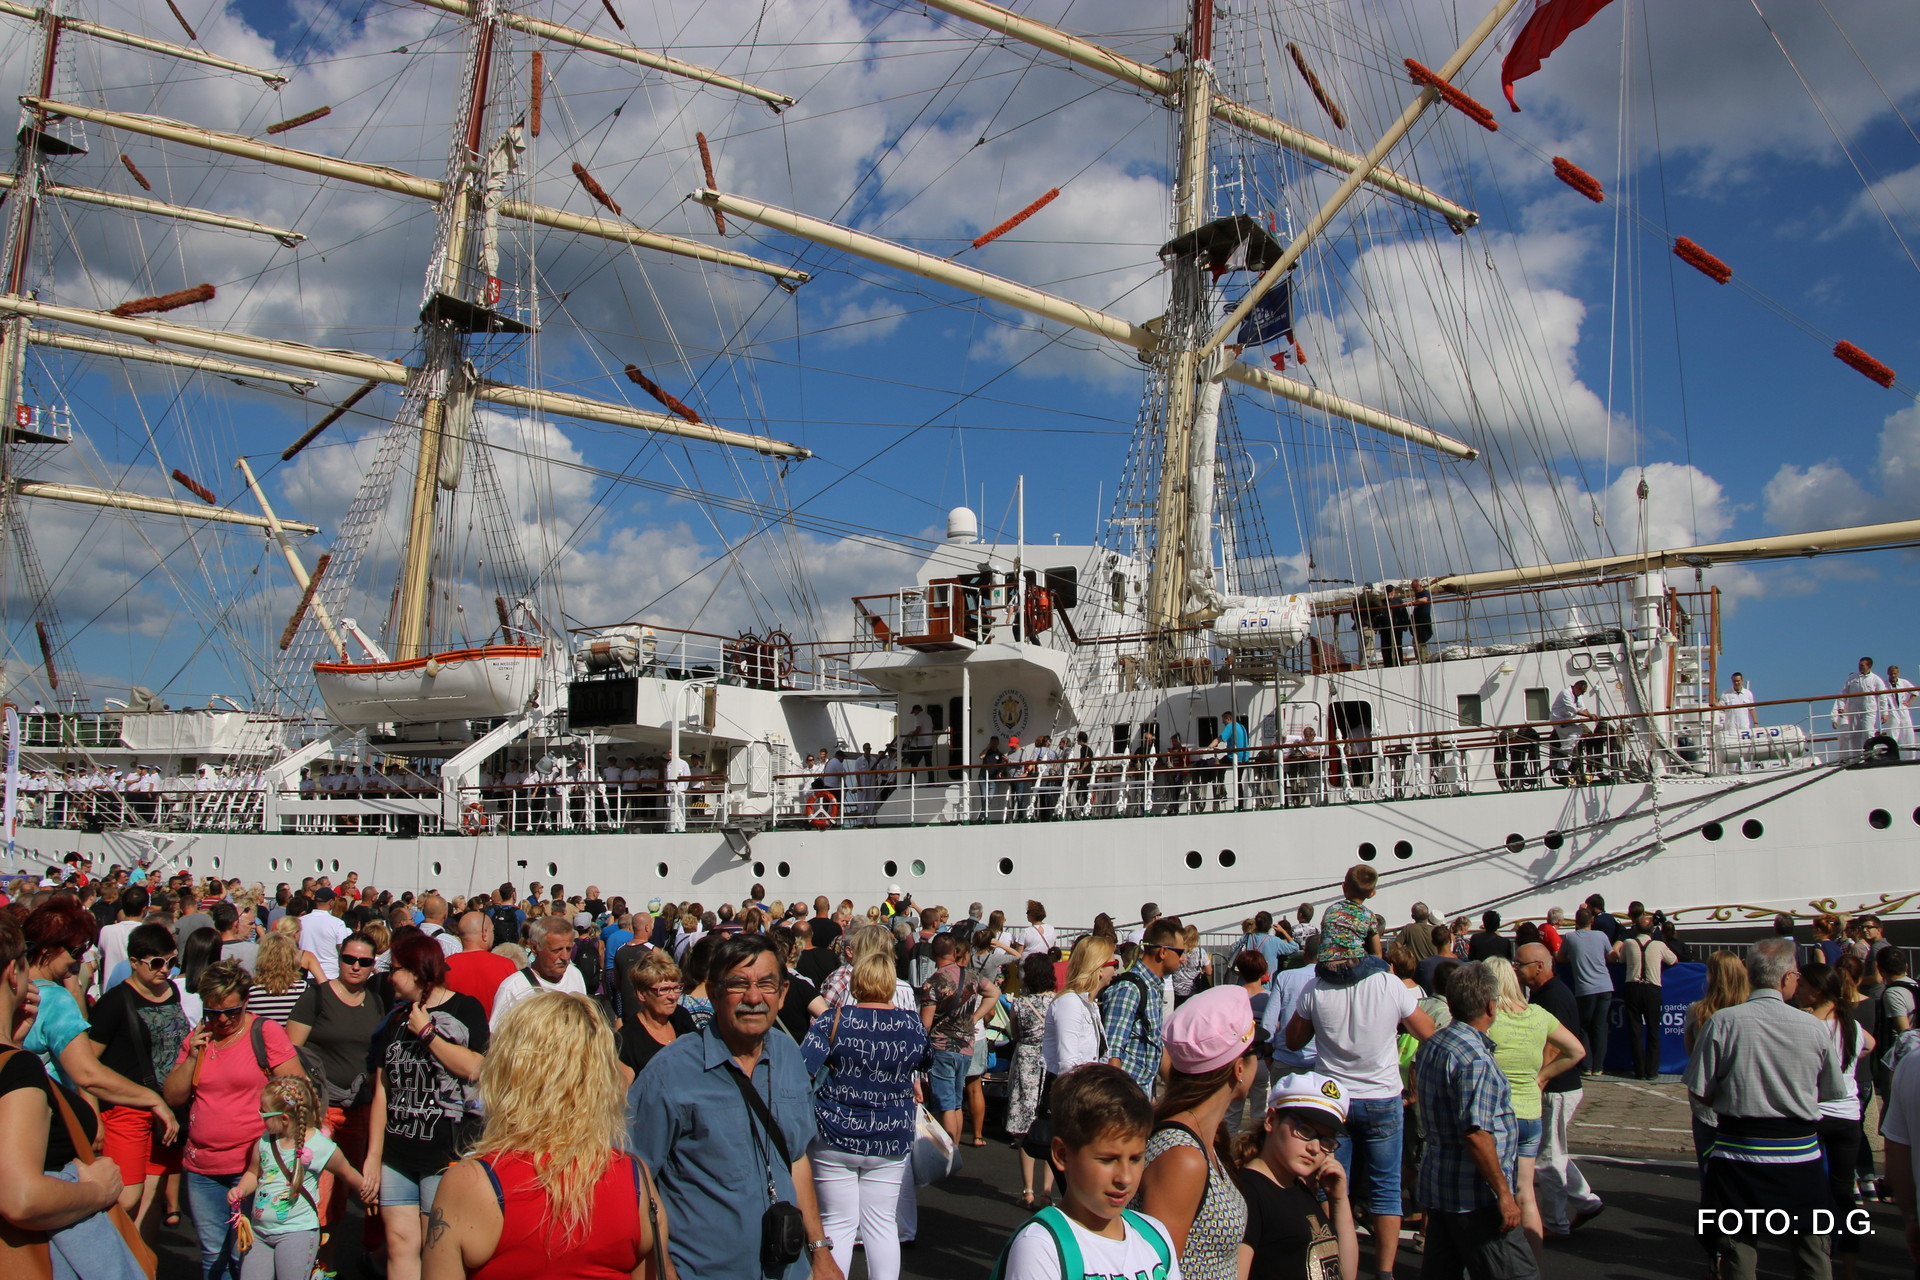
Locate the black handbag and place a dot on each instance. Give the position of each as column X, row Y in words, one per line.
column 783, row 1232
column 1037, row 1141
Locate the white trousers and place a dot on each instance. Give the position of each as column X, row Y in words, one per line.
column 1558, row 1184
column 859, row 1196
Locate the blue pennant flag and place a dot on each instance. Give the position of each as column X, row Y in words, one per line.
column 1271, row 318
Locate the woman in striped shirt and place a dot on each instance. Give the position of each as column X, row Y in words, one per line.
column 279, row 978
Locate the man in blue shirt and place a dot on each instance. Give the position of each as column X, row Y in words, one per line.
column 1134, row 1006
column 1471, row 1159
column 717, row 1166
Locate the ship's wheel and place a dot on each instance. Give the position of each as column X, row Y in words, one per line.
column 780, row 648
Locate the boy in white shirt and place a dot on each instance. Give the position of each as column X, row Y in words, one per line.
column 1101, row 1120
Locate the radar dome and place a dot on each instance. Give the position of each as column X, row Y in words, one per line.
column 962, row 526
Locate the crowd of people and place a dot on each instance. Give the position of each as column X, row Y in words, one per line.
column 545, row 1084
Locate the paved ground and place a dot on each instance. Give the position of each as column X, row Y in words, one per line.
column 1640, row 1161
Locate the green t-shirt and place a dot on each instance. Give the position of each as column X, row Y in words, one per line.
column 1519, row 1047
column 271, row 1199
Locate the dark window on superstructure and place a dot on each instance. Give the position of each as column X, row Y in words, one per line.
column 1208, row 731
column 1121, row 741
column 1351, row 719
column 1539, row 704
column 1468, row 709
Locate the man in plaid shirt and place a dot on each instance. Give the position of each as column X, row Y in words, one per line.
column 1468, row 1169
column 1134, row 1006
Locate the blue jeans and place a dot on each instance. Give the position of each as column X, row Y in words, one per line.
column 1529, row 1138
column 212, row 1222
column 1370, row 1145
column 947, row 1082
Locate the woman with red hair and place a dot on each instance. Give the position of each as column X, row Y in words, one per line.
column 426, row 1107
column 58, row 933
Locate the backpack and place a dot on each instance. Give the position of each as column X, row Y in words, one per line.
column 310, row 1063
column 1072, row 1265
column 1883, row 1032
column 506, row 924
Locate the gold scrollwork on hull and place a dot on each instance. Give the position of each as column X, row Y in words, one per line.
column 1722, row 913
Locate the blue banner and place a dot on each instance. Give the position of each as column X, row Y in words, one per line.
column 1680, row 986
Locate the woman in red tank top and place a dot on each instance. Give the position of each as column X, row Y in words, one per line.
column 549, row 1190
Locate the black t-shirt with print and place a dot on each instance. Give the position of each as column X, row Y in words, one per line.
column 1289, row 1237
column 426, row 1103
column 138, row 1037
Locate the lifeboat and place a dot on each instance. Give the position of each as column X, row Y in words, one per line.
column 461, row 684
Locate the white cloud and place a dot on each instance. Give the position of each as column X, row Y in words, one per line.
column 1825, row 495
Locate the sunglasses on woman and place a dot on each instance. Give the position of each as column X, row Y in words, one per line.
column 358, row 962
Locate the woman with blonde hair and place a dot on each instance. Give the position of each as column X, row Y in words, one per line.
column 1074, row 1035
column 865, row 1056
column 658, row 1018
column 281, row 973
column 1530, row 1047
column 550, row 1188
column 867, row 940
column 1727, row 986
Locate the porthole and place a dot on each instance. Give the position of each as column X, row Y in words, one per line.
column 1879, row 819
column 1402, row 849
column 273, row 864
column 1516, row 842
column 783, row 870
column 1752, row 829
column 1553, row 840
column 1228, row 857
column 1713, row 831
column 1916, row 817
column 890, row 869
column 336, row 866
column 1006, row 866
column 319, row 864
column 661, row 871
column 1194, row 860
column 917, row 867
column 216, row 862
column 1367, row 852
column 436, row 869
column 553, row 869
column 759, row 870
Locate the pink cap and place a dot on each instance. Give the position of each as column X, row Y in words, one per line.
column 1210, row 1030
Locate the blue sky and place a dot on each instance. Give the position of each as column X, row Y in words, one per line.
column 915, row 399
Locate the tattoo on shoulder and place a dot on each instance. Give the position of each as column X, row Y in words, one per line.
column 437, row 1226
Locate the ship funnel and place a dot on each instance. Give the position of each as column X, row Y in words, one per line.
column 963, row 527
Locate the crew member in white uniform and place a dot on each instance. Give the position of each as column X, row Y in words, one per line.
column 677, row 772
column 1901, row 697
column 1860, row 709
column 1570, row 708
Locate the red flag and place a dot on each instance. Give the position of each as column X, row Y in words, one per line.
column 1551, row 22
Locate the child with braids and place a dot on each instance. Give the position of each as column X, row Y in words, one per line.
column 283, row 1181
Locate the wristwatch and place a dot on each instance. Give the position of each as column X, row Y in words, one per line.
column 815, row 1246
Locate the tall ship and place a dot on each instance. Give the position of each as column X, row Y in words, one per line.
column 498, row 270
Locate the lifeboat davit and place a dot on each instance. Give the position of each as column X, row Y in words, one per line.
column 461, row 684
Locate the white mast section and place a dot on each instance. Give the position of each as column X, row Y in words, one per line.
column 1338, row 200
column 146, row 43
column 1900, row 533
column 120, row 500
column 1166, row 85
column 614, row 49
column 353, row 364
column 1063, row 311
column 159, row 208
column 278, row 529
column 384, row 179
column 153, row 355
column 1206, row 434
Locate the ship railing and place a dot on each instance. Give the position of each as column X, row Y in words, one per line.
column 1467, row 760
column 69, row 730
column 749, row 660
column 594, row 804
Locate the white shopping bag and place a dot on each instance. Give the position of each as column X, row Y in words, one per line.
column 935, row 1154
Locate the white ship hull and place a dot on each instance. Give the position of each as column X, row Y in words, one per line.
column 1817, row 842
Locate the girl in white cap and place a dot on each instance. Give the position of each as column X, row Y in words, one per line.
column 1286, row 1167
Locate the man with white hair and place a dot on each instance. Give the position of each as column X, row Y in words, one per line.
column 549, row 966
column 1765, row 1067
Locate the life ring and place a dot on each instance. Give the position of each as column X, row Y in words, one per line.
column 473, row 819
column 1039, row 612
column 823, row 808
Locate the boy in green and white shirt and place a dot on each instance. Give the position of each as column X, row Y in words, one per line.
column 1101, row 1121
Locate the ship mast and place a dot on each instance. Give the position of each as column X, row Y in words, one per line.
column 1177, row 544
column 448, row 392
